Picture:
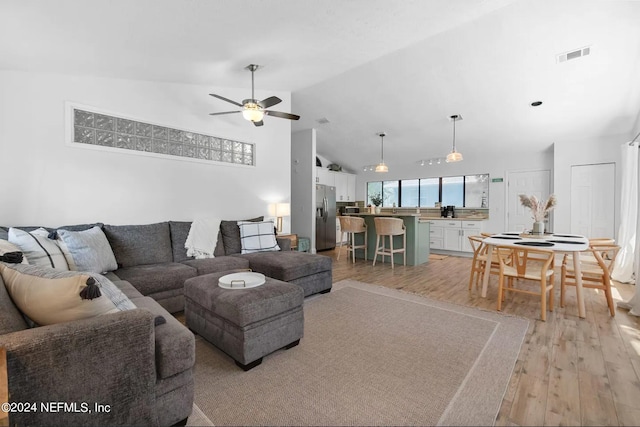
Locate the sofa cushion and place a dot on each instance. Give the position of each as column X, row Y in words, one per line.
column 257, row 236
column 38, row 248
column 88, row 250
column 140, row 244
column 152, row 278
column 11, row 320
column 231, row 235
column 287, row 266
column 127, row 288
column 175, row 344
column 48, row 296
column 215, row 265
column 179, row 232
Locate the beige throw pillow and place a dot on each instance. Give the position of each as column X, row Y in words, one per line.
column 53, row 299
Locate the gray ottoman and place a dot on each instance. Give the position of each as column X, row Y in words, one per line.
column 247, row 324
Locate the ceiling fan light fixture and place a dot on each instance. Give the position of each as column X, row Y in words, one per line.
column 252, row 112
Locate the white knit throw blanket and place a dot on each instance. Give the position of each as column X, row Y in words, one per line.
column 202, row 238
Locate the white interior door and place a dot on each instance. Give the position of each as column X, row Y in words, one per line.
column 592, row 200
column 529, row 183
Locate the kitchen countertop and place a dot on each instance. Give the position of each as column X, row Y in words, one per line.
column 439, row 218
column 382, row 214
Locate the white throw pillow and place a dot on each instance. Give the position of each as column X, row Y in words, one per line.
column 6, row 247
column 257, row 236
column 48, row 296
column 38, row 248
column 87, row 250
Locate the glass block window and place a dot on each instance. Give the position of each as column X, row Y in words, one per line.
column 117, row 132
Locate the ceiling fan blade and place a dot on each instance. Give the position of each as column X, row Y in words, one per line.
column 269, row 102
column 282, row 115
column 260, row 123
column 226, row 99
column 224, row 112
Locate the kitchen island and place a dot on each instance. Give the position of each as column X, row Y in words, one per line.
column 417, row 238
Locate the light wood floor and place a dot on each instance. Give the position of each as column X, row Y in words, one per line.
column 570, row 371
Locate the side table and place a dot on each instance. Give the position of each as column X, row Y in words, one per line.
column 292, row 237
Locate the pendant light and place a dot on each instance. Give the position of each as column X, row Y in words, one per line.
column 381, row 167
column 454, row 156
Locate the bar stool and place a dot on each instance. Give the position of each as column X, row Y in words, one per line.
column 352, row 225
column 389, row 227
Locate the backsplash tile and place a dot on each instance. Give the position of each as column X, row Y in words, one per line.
column 112, row 131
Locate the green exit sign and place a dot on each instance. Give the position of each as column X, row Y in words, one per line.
column 497, row 180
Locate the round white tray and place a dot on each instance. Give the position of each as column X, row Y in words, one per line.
column 244, row 280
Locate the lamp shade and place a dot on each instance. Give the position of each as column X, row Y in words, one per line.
column 252, row 112
column 382, row 167
column 283, row 209
column 454, row 156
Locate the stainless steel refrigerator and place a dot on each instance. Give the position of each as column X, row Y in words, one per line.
column 325, row 217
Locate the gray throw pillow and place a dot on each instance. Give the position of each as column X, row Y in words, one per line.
column 231, row 235
column 89, row 249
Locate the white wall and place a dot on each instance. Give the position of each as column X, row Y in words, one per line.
column 303, row 184
column 584, row 152
column 47, row 182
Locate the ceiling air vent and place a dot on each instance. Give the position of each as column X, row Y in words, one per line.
column 323, row 121
column 574, row 54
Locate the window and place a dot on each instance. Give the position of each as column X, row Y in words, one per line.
column 476, row 191
column 470, row 191
column 453, row 191
column 390, row 193
column 410, row 192
column 429, row 192
column 373, row 189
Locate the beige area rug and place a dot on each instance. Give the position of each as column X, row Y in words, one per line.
column 198, row 418
column 370, row 356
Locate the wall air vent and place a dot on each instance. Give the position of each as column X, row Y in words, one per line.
column 574, row 54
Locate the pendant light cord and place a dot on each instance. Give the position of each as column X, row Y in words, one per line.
column 381, row 148
column 454, row 133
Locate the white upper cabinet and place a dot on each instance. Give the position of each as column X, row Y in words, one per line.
column 341, row 186
column 325, row 176
column 345, row 183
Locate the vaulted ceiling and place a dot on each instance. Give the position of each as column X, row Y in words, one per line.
column 365, row 65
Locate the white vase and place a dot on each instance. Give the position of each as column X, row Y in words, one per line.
column 378, row 209
column 538, row 227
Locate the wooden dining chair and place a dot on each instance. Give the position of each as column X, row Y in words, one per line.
column 527, row 264
column 479, row 261
column 594, row 275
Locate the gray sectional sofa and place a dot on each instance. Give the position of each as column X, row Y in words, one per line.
column 143, row 370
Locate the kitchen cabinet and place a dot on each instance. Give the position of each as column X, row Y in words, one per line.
column 351, row 187
column 341, row 186
column 326, row 177
column 338, row 232
column 453, row 235
column 435, row 235
column 345, row 183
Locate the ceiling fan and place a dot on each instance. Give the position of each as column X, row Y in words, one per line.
column 252, row 109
